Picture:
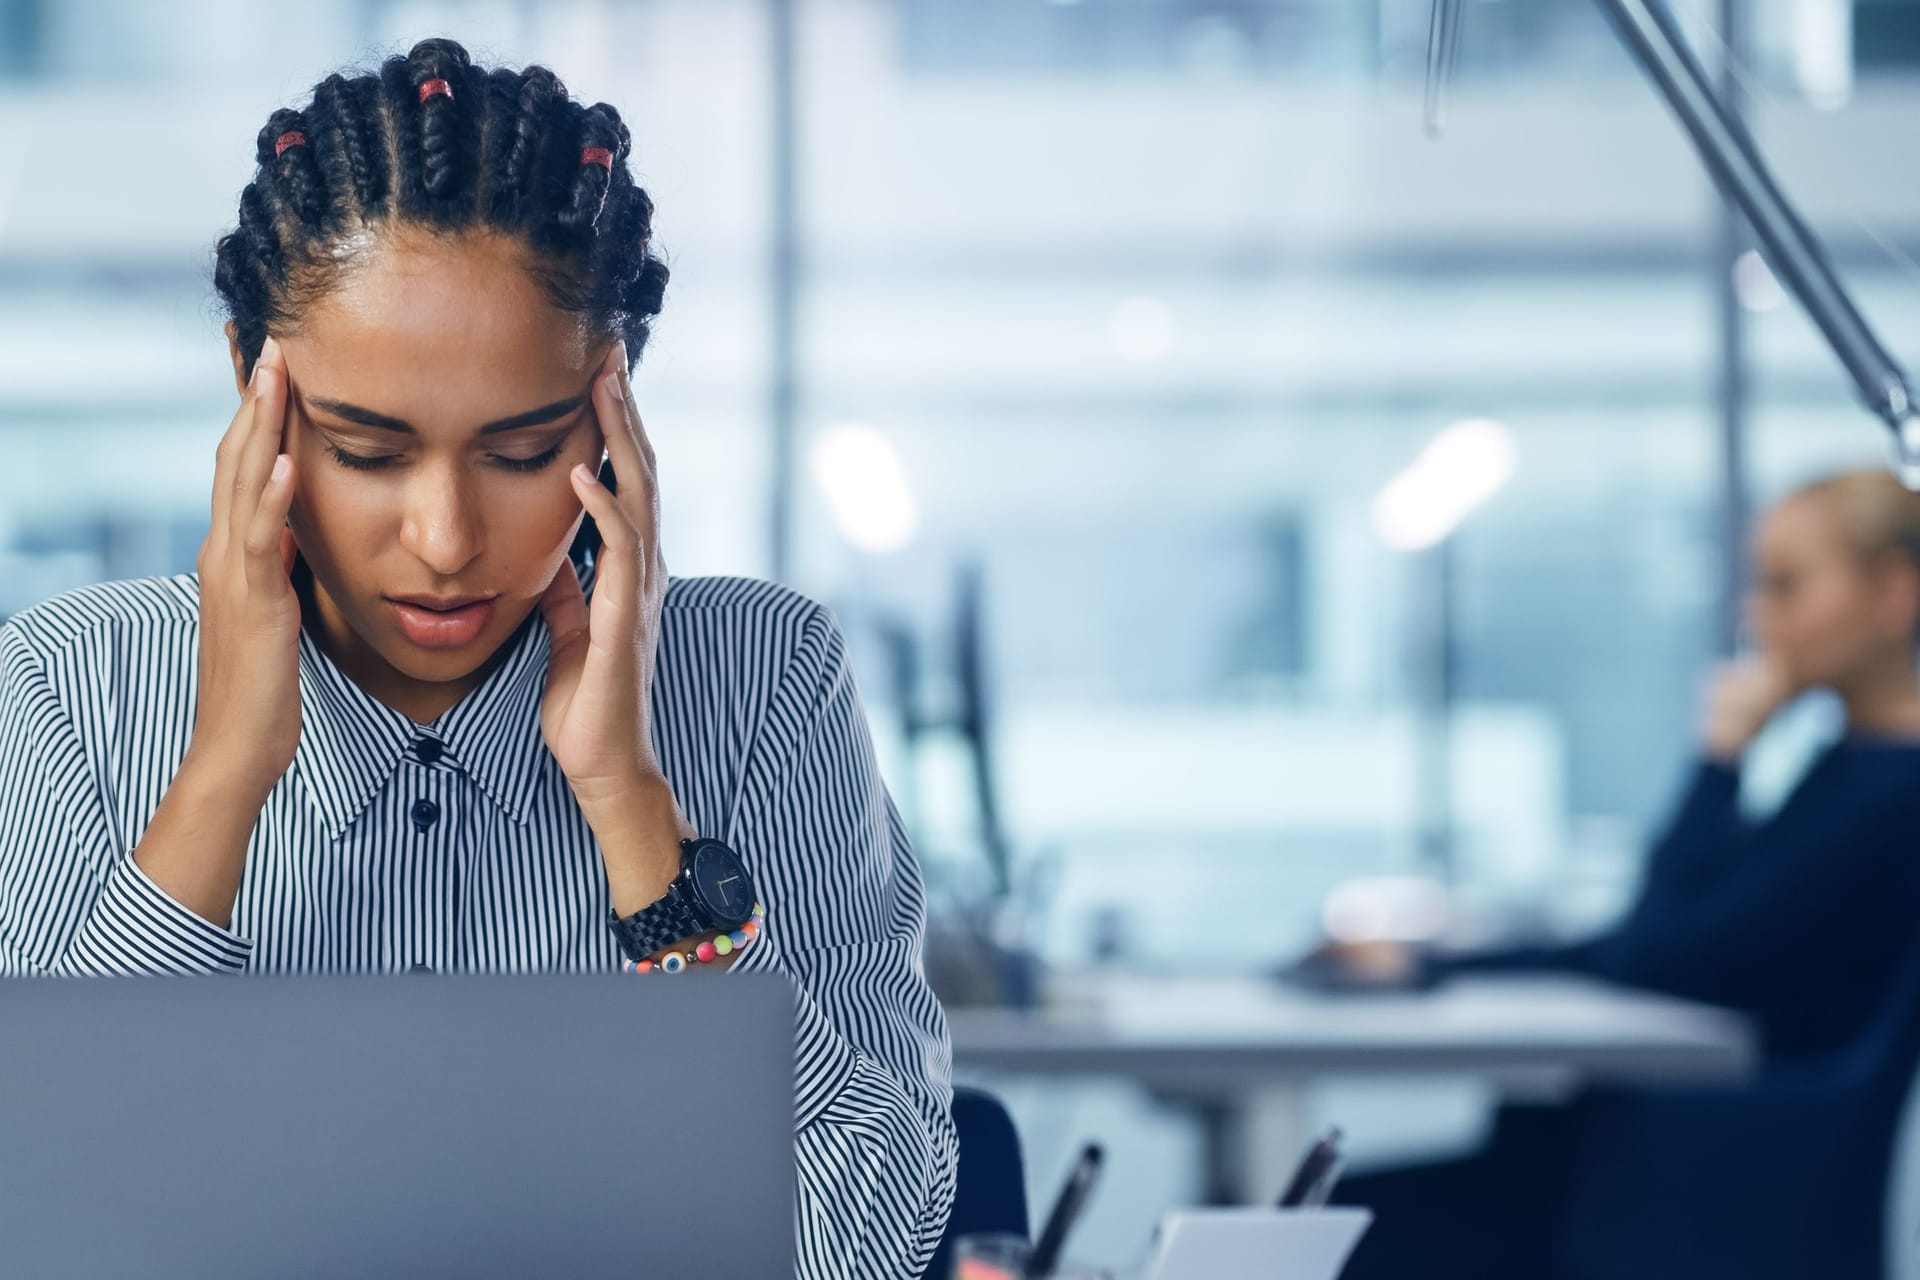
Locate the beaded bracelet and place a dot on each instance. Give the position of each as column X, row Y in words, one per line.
column 723, row 944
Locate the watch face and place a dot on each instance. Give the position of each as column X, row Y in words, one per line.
column 720, row 880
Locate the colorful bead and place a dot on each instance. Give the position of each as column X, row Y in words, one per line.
column 705, row 952
column 723, row 944
column 673, row 962
column 739, row 937
column 751, row 928
column 643, row 966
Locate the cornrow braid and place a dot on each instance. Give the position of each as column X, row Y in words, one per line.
column 348, row 144
column 283, row 150
column 525, row 129
column 432, row 140
column 447, row 119
column 599, row 127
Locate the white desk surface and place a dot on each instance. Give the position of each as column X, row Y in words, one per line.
column 1197, row 1036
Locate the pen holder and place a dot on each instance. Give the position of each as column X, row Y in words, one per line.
column 1004, row 1257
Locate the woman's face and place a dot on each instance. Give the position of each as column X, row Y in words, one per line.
column 1819, row 608
column 437, row 402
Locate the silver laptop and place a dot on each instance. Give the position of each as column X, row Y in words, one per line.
column 416, row 1126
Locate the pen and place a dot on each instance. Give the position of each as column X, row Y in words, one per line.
column 1065, row 1212
column 1313, row 1181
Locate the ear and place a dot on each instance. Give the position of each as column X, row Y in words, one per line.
column 239, row 361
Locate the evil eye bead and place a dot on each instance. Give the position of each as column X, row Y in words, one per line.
column 672, row 962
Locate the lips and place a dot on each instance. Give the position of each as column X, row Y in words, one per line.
column 439, row 604
column 442, row 622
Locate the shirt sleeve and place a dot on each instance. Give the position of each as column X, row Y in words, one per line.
column 1705, row 827
column 1704, row 831
column 72, row 901
column 1792, row 920
column 845, row 919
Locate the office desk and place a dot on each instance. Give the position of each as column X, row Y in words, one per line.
column 1239, row 1052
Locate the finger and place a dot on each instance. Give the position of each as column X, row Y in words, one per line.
column 226, row 455
column 564, row 607
column 634, row 424
column 635, row 468
column 618, row 571
column 612, row 403
column 261, row 444
column 265, row 548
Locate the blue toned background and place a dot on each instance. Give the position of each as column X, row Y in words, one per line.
column 1071, row 351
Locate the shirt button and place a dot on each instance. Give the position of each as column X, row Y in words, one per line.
column 427, row 750
column 425, row 814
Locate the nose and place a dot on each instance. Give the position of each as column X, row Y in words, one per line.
column 443, row 526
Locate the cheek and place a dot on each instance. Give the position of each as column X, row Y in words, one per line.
column 1834, row 625
column 334, row 506
column 532, row 516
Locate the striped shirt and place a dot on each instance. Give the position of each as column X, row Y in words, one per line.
column 458, row 845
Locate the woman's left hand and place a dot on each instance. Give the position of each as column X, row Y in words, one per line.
column 597, row 712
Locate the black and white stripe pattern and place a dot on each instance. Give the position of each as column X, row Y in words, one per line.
column 457, row 845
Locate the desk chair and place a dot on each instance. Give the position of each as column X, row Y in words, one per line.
column 991, row 1190
column 1782, row 1179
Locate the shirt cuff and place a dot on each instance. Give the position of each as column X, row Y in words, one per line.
column 823, row 1061
column 136, row 928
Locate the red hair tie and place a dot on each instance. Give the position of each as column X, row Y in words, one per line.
column 291, row 138
column 597, row 155
column 435, row 86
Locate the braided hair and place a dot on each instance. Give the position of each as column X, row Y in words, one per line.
column 430, row 139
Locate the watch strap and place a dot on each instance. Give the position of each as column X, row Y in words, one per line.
column 666, row 920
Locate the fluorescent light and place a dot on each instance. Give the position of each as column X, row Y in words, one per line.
column 1459, row 469
column 866, row 488
column 1822, row 43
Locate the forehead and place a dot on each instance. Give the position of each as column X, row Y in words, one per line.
column 1801, row 527
column 439, row 329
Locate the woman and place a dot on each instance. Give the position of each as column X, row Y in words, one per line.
column 431, row 700
column 1801, row 921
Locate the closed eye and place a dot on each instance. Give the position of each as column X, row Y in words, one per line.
column 378, row 462
column 534, row 463
column 358, row 461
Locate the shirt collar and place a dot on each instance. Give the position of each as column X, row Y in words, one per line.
column 350, row 743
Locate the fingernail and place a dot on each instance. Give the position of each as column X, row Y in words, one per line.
column 281, row 465
column 580, row 469
column 613, row 386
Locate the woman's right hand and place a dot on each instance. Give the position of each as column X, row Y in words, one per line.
column 248, row 720
column 1740, row 700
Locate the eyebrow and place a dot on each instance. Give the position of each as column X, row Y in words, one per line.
column 531, row 418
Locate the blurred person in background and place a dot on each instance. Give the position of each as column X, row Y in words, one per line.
column 431, row 700
column 1800, row 921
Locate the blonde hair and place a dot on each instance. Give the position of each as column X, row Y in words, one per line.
column 1875, row 512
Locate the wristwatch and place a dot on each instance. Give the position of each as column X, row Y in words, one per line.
column 712, row 891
